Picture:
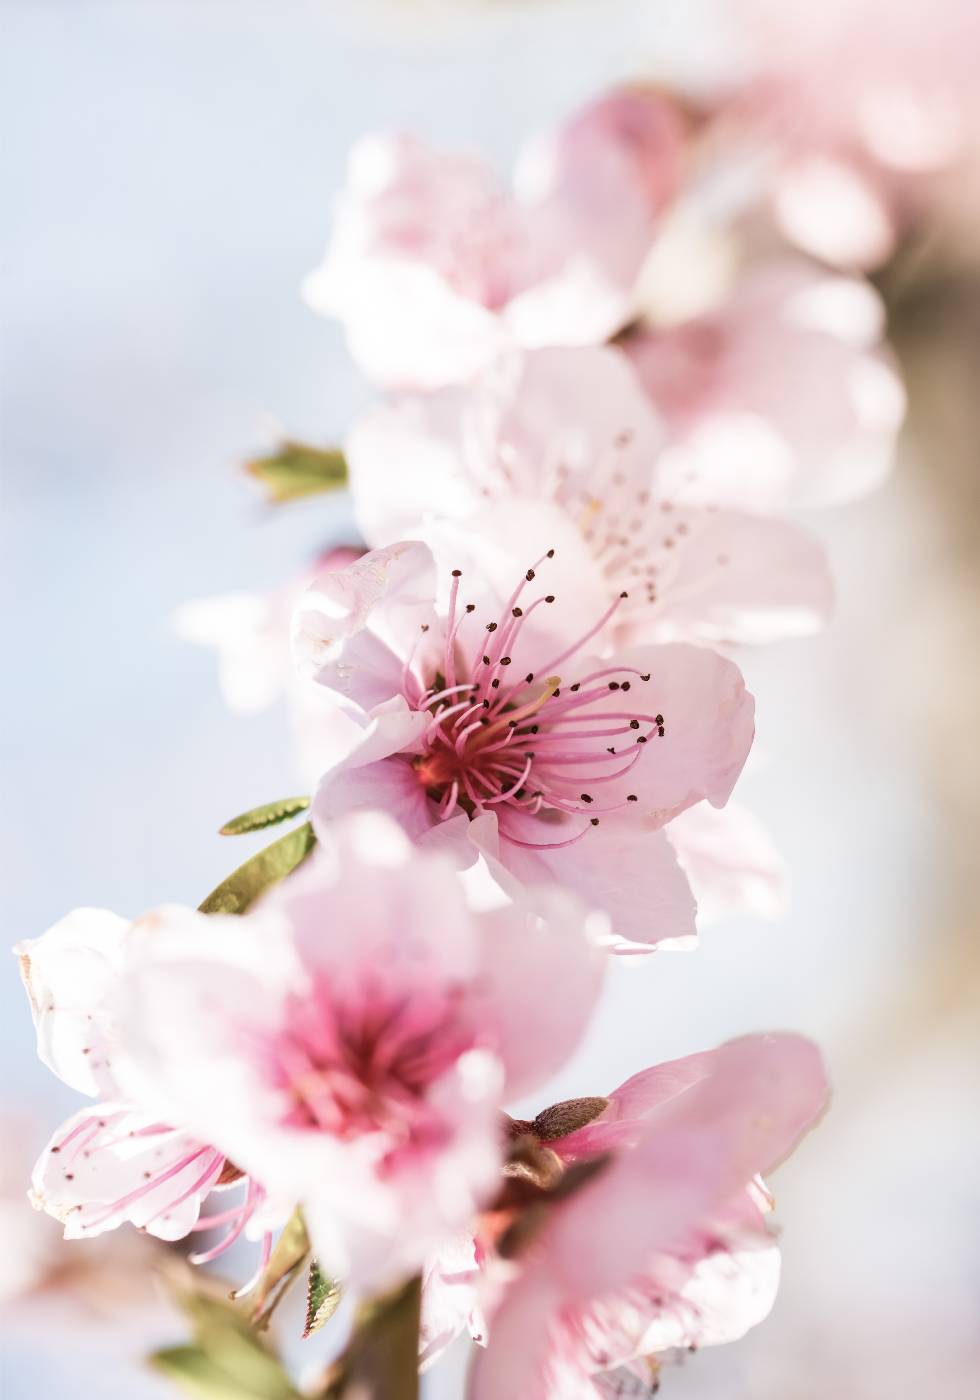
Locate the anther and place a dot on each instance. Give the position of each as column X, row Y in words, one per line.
column 529, row 677
column 594, row 821
column 550, row 598
column 641, row 739
column 529, row 575
column 505, row 661
column 471, row 607
column 486, row 704
column 576, row 686
column 551, row 554
column 625, row 685
column 425, row 627
column 517, row 612
column 624, row 594
column 646, row 677
column 491, row 627
column 486, row 661
column 495, row 683
column 658, row 719
column 614, row 685
column 457, row 573
column 585, row 797
column 634, row 724
column 631, row 797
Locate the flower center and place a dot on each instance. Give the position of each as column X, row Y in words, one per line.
column 529, row 747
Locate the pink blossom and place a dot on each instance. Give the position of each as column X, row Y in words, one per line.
column 114, row 1161
column 568, row 438
column 489, row 717
column 858, row 104
column 349, row 1042
column 667, row 1245
column 434, row 266
column 780, row 397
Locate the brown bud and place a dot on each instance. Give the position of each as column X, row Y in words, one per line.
column 567, row 1117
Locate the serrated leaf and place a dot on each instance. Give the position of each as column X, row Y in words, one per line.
column 381, row 1360
column 269, row 814
column 322, row 1299
column 244, row 885
column 298, row 469
column 287, row 1259
column 226, row 1374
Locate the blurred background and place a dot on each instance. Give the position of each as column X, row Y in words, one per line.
column 167, row 179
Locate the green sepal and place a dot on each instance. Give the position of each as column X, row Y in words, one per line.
column 244, row 885
column 269, row 814
column 298, row 469
column 323, row 1296
column 291, row 1252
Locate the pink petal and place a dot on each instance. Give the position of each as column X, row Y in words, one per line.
column 731, row 862
column 71, row 975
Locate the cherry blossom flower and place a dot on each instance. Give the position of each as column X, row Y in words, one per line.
column 569, row 437
column 350, row 1040
column 494, row 722
column 114, row 1161
column 434, row 267
column 859, row 107
column 780, row 397
column 666, row 1244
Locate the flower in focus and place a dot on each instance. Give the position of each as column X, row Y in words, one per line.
column 666, row 1243
column 434, row 267
column 493, row 720
column 115, row 1161
column 568, row 438
column 350, row 1040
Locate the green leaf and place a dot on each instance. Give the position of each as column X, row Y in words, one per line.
column 322, row 1299
column 381, row 1361
column 297, row 469
column 288, row 1257
column 227, row 1360
column 269, row 814
column 244, row 885
column 230, row 1373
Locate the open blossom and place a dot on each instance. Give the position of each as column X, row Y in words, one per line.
column 350, row 1040
column 434, row 267
column 667, row 1244
column 493, row 719
column 116, row 1160
column 781, row 396
column 569, row 438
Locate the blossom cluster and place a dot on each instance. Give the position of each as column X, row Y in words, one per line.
column 518, row 696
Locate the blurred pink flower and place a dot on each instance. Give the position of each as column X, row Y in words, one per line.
column 114, row 1161
column 497, row 723
column 858, row 103
column 568, row 438
column 780, row 397
column 351, row 1039
column 667, row 1245
column 249, row 633
column 434, row 267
